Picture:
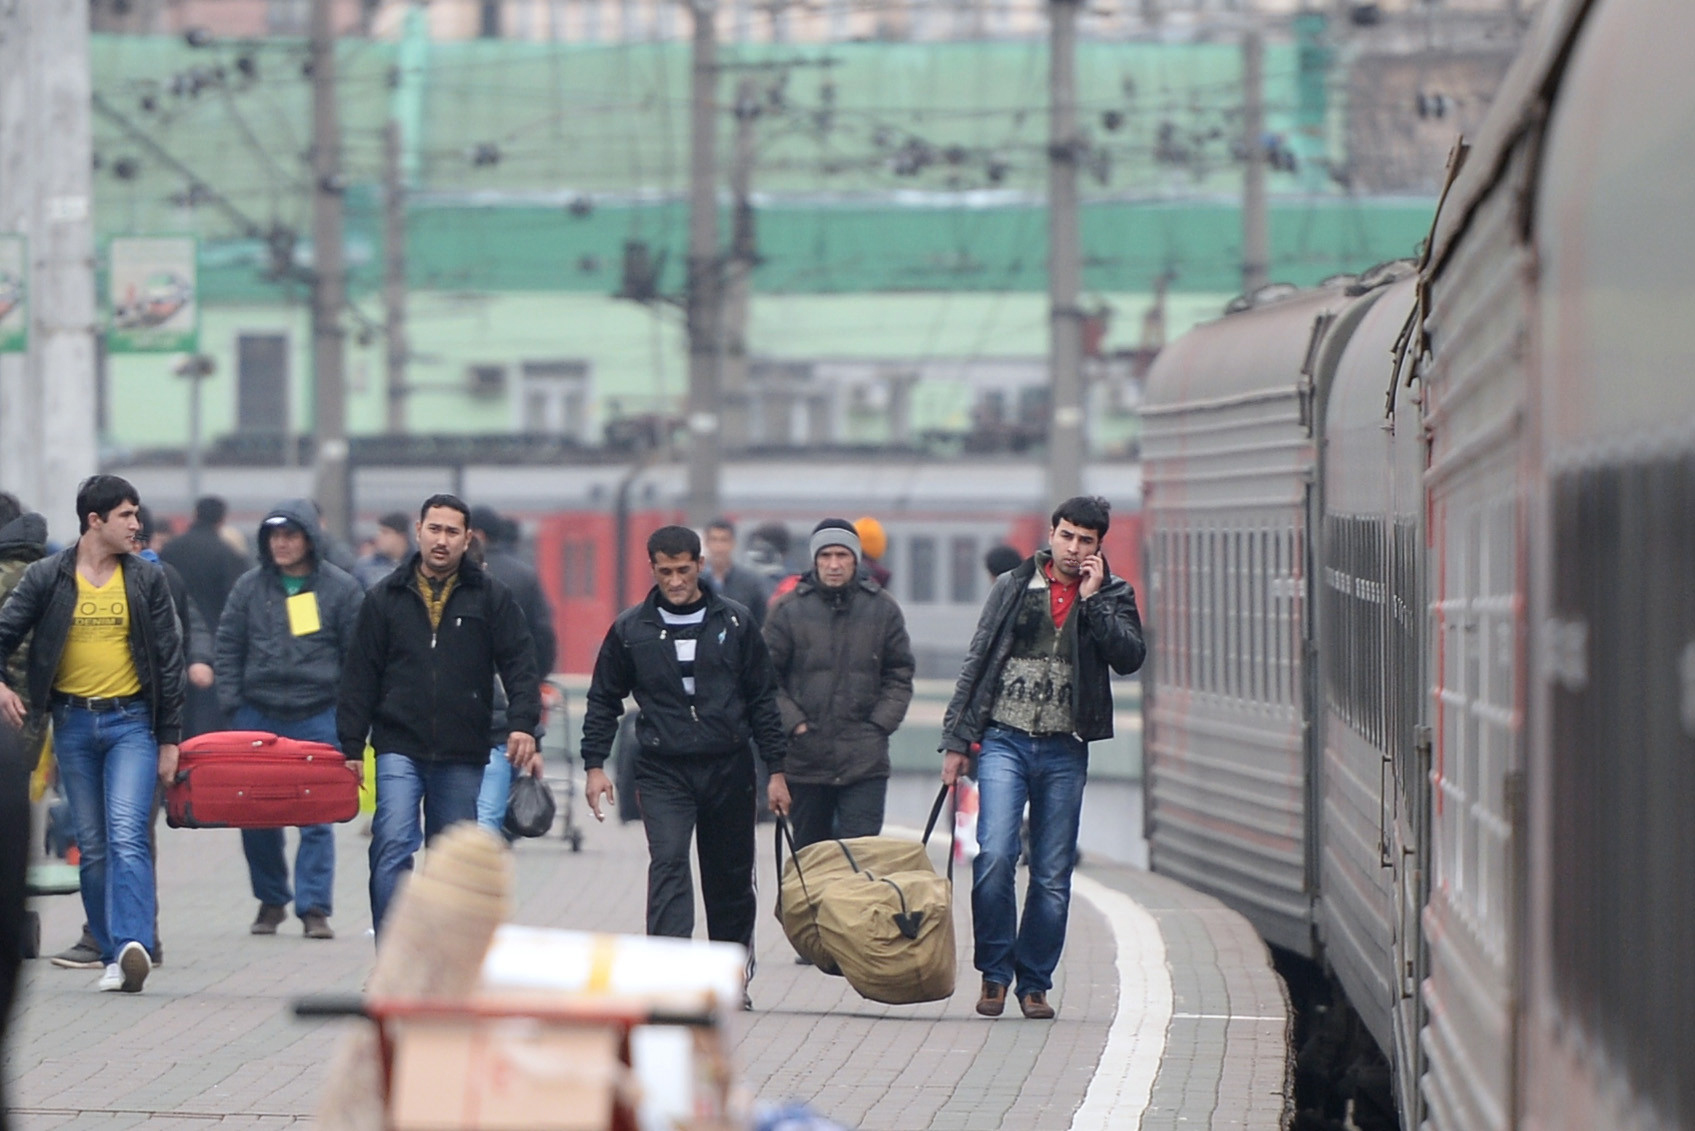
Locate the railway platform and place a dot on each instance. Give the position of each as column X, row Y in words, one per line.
column 1169, row 1013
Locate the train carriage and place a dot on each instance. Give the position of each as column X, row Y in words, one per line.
column 1228, row 461
column 1608, row 990
column 1502, row 626
column 1368, row 612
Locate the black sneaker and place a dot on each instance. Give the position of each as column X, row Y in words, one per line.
column 84, row 955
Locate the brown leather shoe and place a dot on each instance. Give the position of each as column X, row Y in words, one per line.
column 317, row 925
column 993, row 999
column 1036, row 1007
column 270, row 917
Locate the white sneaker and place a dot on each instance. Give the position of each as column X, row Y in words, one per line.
column 133, row 967
column 112, row 980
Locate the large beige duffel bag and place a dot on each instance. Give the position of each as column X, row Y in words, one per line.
column 874, row 910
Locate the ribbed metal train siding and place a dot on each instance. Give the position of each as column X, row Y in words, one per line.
column 1225, row 727
column 1622, row 668
column 1474, row 408
column 1358, row 644
column 1358, row 901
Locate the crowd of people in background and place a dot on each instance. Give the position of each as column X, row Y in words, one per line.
column 776, row 676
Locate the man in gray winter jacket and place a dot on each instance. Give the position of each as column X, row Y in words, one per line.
column 282, row 641
column 844, row 679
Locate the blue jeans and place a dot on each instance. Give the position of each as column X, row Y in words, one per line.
column 1048, row 772
column 314, row 862
column 496, row 790
column 447, row 792
column 109, row 766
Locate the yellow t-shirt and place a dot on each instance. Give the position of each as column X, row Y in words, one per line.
column 96, row 663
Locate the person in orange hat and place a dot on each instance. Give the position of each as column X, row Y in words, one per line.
column 874, row 543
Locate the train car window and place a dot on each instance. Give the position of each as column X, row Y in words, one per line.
column 1274, row 619
column 1226, row 577
column 1244, row 613
column 921, row 569
column 1238, row 613
column 1213, row 641
column 1256, row 580
column 579, row 569
column 963, row 570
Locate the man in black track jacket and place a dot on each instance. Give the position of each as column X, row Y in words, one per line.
column 1034, row 691
column 702, row 677
column 429, row 641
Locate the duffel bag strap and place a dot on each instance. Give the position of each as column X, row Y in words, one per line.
column 781, row 833
column 936, row 812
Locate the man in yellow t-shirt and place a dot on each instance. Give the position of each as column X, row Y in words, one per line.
column 107, row 658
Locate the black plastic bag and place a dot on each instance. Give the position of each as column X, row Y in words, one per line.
column 529, row 807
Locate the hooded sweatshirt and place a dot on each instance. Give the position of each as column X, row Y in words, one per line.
column 285, row 666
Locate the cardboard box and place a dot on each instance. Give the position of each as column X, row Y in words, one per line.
column 513, row 1074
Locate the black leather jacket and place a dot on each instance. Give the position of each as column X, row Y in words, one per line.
column 45, row 600
column 1109, row 634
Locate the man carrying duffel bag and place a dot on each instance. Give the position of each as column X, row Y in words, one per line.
column 282, row 641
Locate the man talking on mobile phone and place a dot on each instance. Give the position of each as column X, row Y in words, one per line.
column 1035, row 690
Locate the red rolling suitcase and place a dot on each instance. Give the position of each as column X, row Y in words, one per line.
column 250, row 779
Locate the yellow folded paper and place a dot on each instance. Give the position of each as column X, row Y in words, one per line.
column 303, row 614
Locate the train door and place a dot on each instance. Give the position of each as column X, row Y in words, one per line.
column 573, row 552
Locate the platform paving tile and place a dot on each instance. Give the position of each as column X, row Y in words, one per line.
column 211, row 1044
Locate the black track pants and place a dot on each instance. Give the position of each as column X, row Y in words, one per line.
column 824, row 812
column 711, row 798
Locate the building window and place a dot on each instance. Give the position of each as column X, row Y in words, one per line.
column 921, row 569
column 288, row 17
column 554, row 398
column 261, row 375
column 963, row 570
column 579, row 581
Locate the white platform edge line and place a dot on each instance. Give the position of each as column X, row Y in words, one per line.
column 1123, row 1082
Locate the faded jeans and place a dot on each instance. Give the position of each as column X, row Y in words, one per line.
column 447, row 794
column 1047, row 771
column 109, row 766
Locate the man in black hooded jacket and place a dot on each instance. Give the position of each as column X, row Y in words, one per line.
column 284, row 636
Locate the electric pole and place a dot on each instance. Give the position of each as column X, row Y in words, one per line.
column 738, row 278
column 19, row 419
column 330, row 482
column 705, row 292
column 1066, row 438
column 48, row 441
column 394, row 278
column 1256, row 254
